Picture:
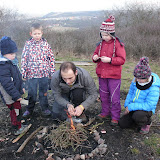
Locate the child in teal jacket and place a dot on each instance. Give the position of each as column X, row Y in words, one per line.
column 142, row 98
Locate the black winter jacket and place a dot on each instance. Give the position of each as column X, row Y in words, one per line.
column 11, row 78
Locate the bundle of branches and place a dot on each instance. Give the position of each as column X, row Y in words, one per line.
column 64, row 136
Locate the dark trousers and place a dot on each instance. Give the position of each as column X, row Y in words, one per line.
column 33, row 85
column 15, row 119
column 140, row 118
column 76, row 97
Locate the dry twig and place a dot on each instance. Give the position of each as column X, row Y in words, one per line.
column 65, row 137
column 95, row 126
column 22, row 134
column 26, row 141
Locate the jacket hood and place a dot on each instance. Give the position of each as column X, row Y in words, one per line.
column 156, row 80
column 3, row 59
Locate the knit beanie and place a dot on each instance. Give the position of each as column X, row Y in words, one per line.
column 7, row 45
column 142, row 69
column 108, row 25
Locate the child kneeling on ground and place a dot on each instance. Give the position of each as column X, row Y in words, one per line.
column 142, row 98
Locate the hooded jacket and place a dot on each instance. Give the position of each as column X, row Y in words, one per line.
column 10, row 80
column 146, row 99
column 113, row 69
column 37, row 59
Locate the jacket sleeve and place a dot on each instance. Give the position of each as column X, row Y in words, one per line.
column 8, row 85
column 120, row 53
column 150, row 102
column 96, row 53
column 91, row 90
column 57, row 91
column 51, row 61
column 129, row 96
column 24, row 60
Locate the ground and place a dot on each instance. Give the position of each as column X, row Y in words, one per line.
column 125, row 144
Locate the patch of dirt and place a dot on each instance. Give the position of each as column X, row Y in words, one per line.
column 120, row 143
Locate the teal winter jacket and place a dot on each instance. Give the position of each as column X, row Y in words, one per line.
column 145, row 100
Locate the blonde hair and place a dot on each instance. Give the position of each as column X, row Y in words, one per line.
column 36, row 26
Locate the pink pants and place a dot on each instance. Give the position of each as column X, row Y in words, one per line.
column 109, row 90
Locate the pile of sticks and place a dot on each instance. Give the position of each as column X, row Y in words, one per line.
column 64, row 136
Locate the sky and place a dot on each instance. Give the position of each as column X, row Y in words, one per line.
column 42, row 7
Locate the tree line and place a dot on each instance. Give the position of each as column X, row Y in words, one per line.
column 137, row 25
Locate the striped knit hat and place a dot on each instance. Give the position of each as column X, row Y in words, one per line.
column 142, row 69
column 108, row 25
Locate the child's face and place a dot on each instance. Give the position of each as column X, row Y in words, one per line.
column 105, row 36
column 10, row 56
column 142, row 80
column 36, row 34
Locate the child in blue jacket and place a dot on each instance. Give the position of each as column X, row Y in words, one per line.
column 142, row 98
column 11, row 82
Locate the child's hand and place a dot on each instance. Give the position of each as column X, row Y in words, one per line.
column 24, row 90
column 19, row 99
column 95, row 57
column 126, row 111
column 105, row 59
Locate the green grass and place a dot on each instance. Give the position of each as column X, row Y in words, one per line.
column 154, row 143
column 127, row 69
column 135, row 151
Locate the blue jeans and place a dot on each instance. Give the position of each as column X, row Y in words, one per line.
column 76, row 97
column 32, row 93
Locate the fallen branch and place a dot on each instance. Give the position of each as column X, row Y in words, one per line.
column 26, row 141
column 22, row 134
column 91, row 120
column 95, row 126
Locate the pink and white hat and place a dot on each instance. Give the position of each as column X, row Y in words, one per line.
column 108, row 25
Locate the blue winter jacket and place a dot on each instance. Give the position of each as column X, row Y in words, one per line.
column 10, row 78
column 145, row 100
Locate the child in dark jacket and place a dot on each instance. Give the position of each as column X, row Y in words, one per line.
column 11, row 82
column 109, row 55
column 142, row 98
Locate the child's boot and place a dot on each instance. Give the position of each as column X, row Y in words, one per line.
column 114, row 122
column 20, row 130
column 145, row 129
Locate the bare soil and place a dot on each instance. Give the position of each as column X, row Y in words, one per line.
column 120, row 143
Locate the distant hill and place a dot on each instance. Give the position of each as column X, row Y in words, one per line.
column 78, row 20
column 74, row 14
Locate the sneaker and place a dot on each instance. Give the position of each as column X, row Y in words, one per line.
column 47, row 112
column 145, row 129
column 26, row 114
column 102, row 117
column 114, row 122
column 21, row 130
